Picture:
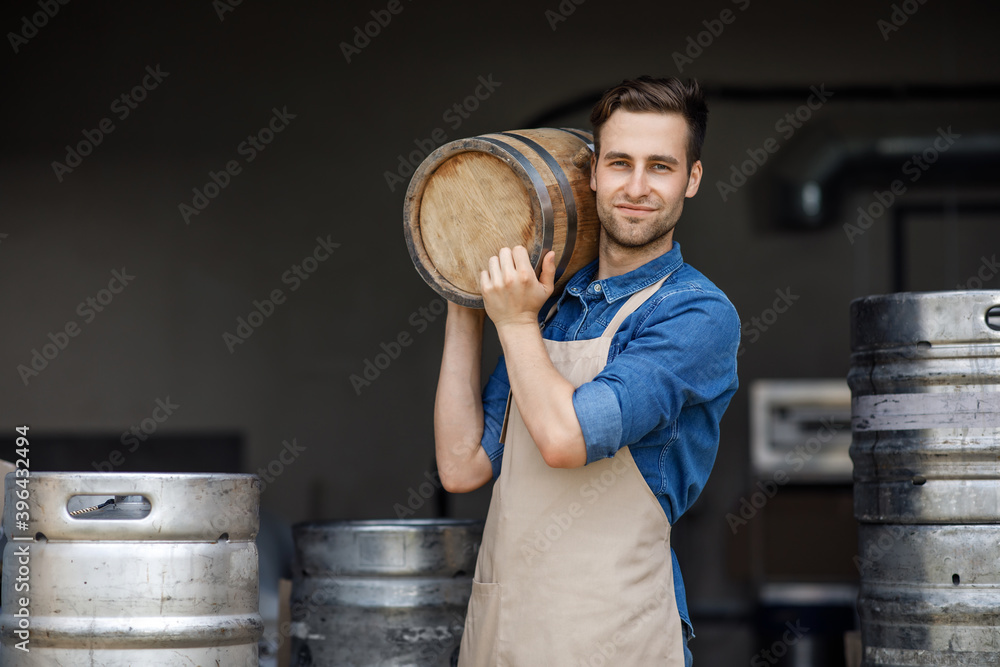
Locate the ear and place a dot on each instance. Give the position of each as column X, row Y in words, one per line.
column 694, row 180
column 593, row 172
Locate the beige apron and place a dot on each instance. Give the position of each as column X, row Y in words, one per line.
column 575, row 564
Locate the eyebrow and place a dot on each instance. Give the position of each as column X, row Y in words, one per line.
column 618, row 155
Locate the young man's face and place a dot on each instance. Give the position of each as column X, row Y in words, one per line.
column 641, row 177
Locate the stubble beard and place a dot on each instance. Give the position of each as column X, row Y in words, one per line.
column 631, row 233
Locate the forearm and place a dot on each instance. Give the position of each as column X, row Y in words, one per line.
column 458, row 410
column 543, row 397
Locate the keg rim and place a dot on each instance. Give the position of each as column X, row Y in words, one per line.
column 915, row 320
column 928, row 294
column 144, row 475
column 386, row 524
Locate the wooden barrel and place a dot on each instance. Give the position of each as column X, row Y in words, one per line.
column 472, row 197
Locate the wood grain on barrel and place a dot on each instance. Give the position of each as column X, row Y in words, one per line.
column 473, row 205
column 473, row 196
column 563, row 147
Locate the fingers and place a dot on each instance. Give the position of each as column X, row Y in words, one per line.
column 496, row 270
column 512, row 294
column 503, row 268
column 521, row 259
column 506, row 258
column 548, row 270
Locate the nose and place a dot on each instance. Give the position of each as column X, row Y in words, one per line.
column 637, row 185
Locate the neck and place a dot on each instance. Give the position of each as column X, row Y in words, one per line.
column 616, row 260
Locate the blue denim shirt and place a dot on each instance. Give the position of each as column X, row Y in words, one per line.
column 670, row 375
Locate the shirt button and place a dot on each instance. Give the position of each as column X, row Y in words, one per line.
column 574, row 290
column 597, row 287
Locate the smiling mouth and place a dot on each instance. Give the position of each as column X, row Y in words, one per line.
column 629, row 208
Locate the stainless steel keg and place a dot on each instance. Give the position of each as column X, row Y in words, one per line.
column 381, row 593
column 925, row 383
column 150, row 570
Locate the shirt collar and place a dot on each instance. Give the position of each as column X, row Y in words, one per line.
column 627, row 284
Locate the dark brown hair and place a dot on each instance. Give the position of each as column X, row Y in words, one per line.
column 656, row 95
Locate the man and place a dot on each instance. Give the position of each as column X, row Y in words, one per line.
column 613, row 421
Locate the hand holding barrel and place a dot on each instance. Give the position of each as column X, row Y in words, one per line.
column 511, row 292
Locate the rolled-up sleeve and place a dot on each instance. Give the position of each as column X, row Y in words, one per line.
column 683, row 354
column 495, row 395
column 600, row 416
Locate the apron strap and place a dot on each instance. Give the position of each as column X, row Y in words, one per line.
column 552, row 311
column 632, row 305
column 627, row 309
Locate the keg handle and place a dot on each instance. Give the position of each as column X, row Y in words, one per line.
column 119, row 501
column 993, row 318
column 113, row 499
column 177, row 509
column 93, row 508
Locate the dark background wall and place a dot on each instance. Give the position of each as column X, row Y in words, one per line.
column 367, row 448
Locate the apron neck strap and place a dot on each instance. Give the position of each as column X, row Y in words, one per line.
column 552, row 311
column 632, row 305
column 627, row 308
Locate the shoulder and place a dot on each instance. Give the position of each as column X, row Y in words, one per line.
column 688, row 292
